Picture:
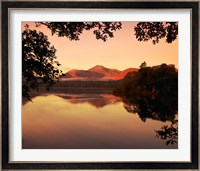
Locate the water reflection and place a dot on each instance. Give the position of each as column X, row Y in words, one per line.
column 64, row 121
column 164, row 109
column 169, row 133
column 147, row 107
column 96, row 100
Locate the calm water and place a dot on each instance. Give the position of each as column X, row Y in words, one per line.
column 101, row 121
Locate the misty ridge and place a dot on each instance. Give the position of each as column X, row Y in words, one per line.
column 96, row 80
column 96, row 73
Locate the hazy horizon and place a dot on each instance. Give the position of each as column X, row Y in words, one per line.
column 101, row 66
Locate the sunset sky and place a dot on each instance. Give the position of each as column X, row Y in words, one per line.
column 121, row 52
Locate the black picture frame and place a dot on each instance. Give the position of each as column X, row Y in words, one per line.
column 193, row 5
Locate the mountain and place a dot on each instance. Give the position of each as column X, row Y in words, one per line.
column 103, row 70
column 126, row 71
column 96, row 73
column 83, row 73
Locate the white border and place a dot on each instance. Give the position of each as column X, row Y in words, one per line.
column 181, row 154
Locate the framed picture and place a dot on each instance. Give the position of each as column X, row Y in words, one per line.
column 100, row 85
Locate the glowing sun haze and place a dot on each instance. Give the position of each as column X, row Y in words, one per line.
column 120, row 52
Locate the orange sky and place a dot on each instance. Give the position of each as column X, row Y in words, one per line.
column 121, row 52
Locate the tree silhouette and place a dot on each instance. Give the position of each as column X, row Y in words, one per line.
column 152, row 93
column 38, row 62
column 155, row 31
column 38, row 56
column 169, row 133
column 157, row 80
column 143, row 65
column 72, row 30
column 144, row 31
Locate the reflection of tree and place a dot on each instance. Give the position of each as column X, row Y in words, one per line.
column 146, row 107
column 155, row 109
column 169, row 133
column 152, row 92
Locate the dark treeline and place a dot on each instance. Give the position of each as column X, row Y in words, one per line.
column 83, row 87
column 157, row 81
column 92, row 84
column 152, row 93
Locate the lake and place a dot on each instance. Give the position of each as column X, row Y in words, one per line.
column 87, row 121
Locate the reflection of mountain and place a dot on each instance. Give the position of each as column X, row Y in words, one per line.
column 97, row 100
column 97, row 72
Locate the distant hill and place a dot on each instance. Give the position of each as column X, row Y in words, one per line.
column 96, row 73
column 103, row 70
column 83, row 73
column 126, row 71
